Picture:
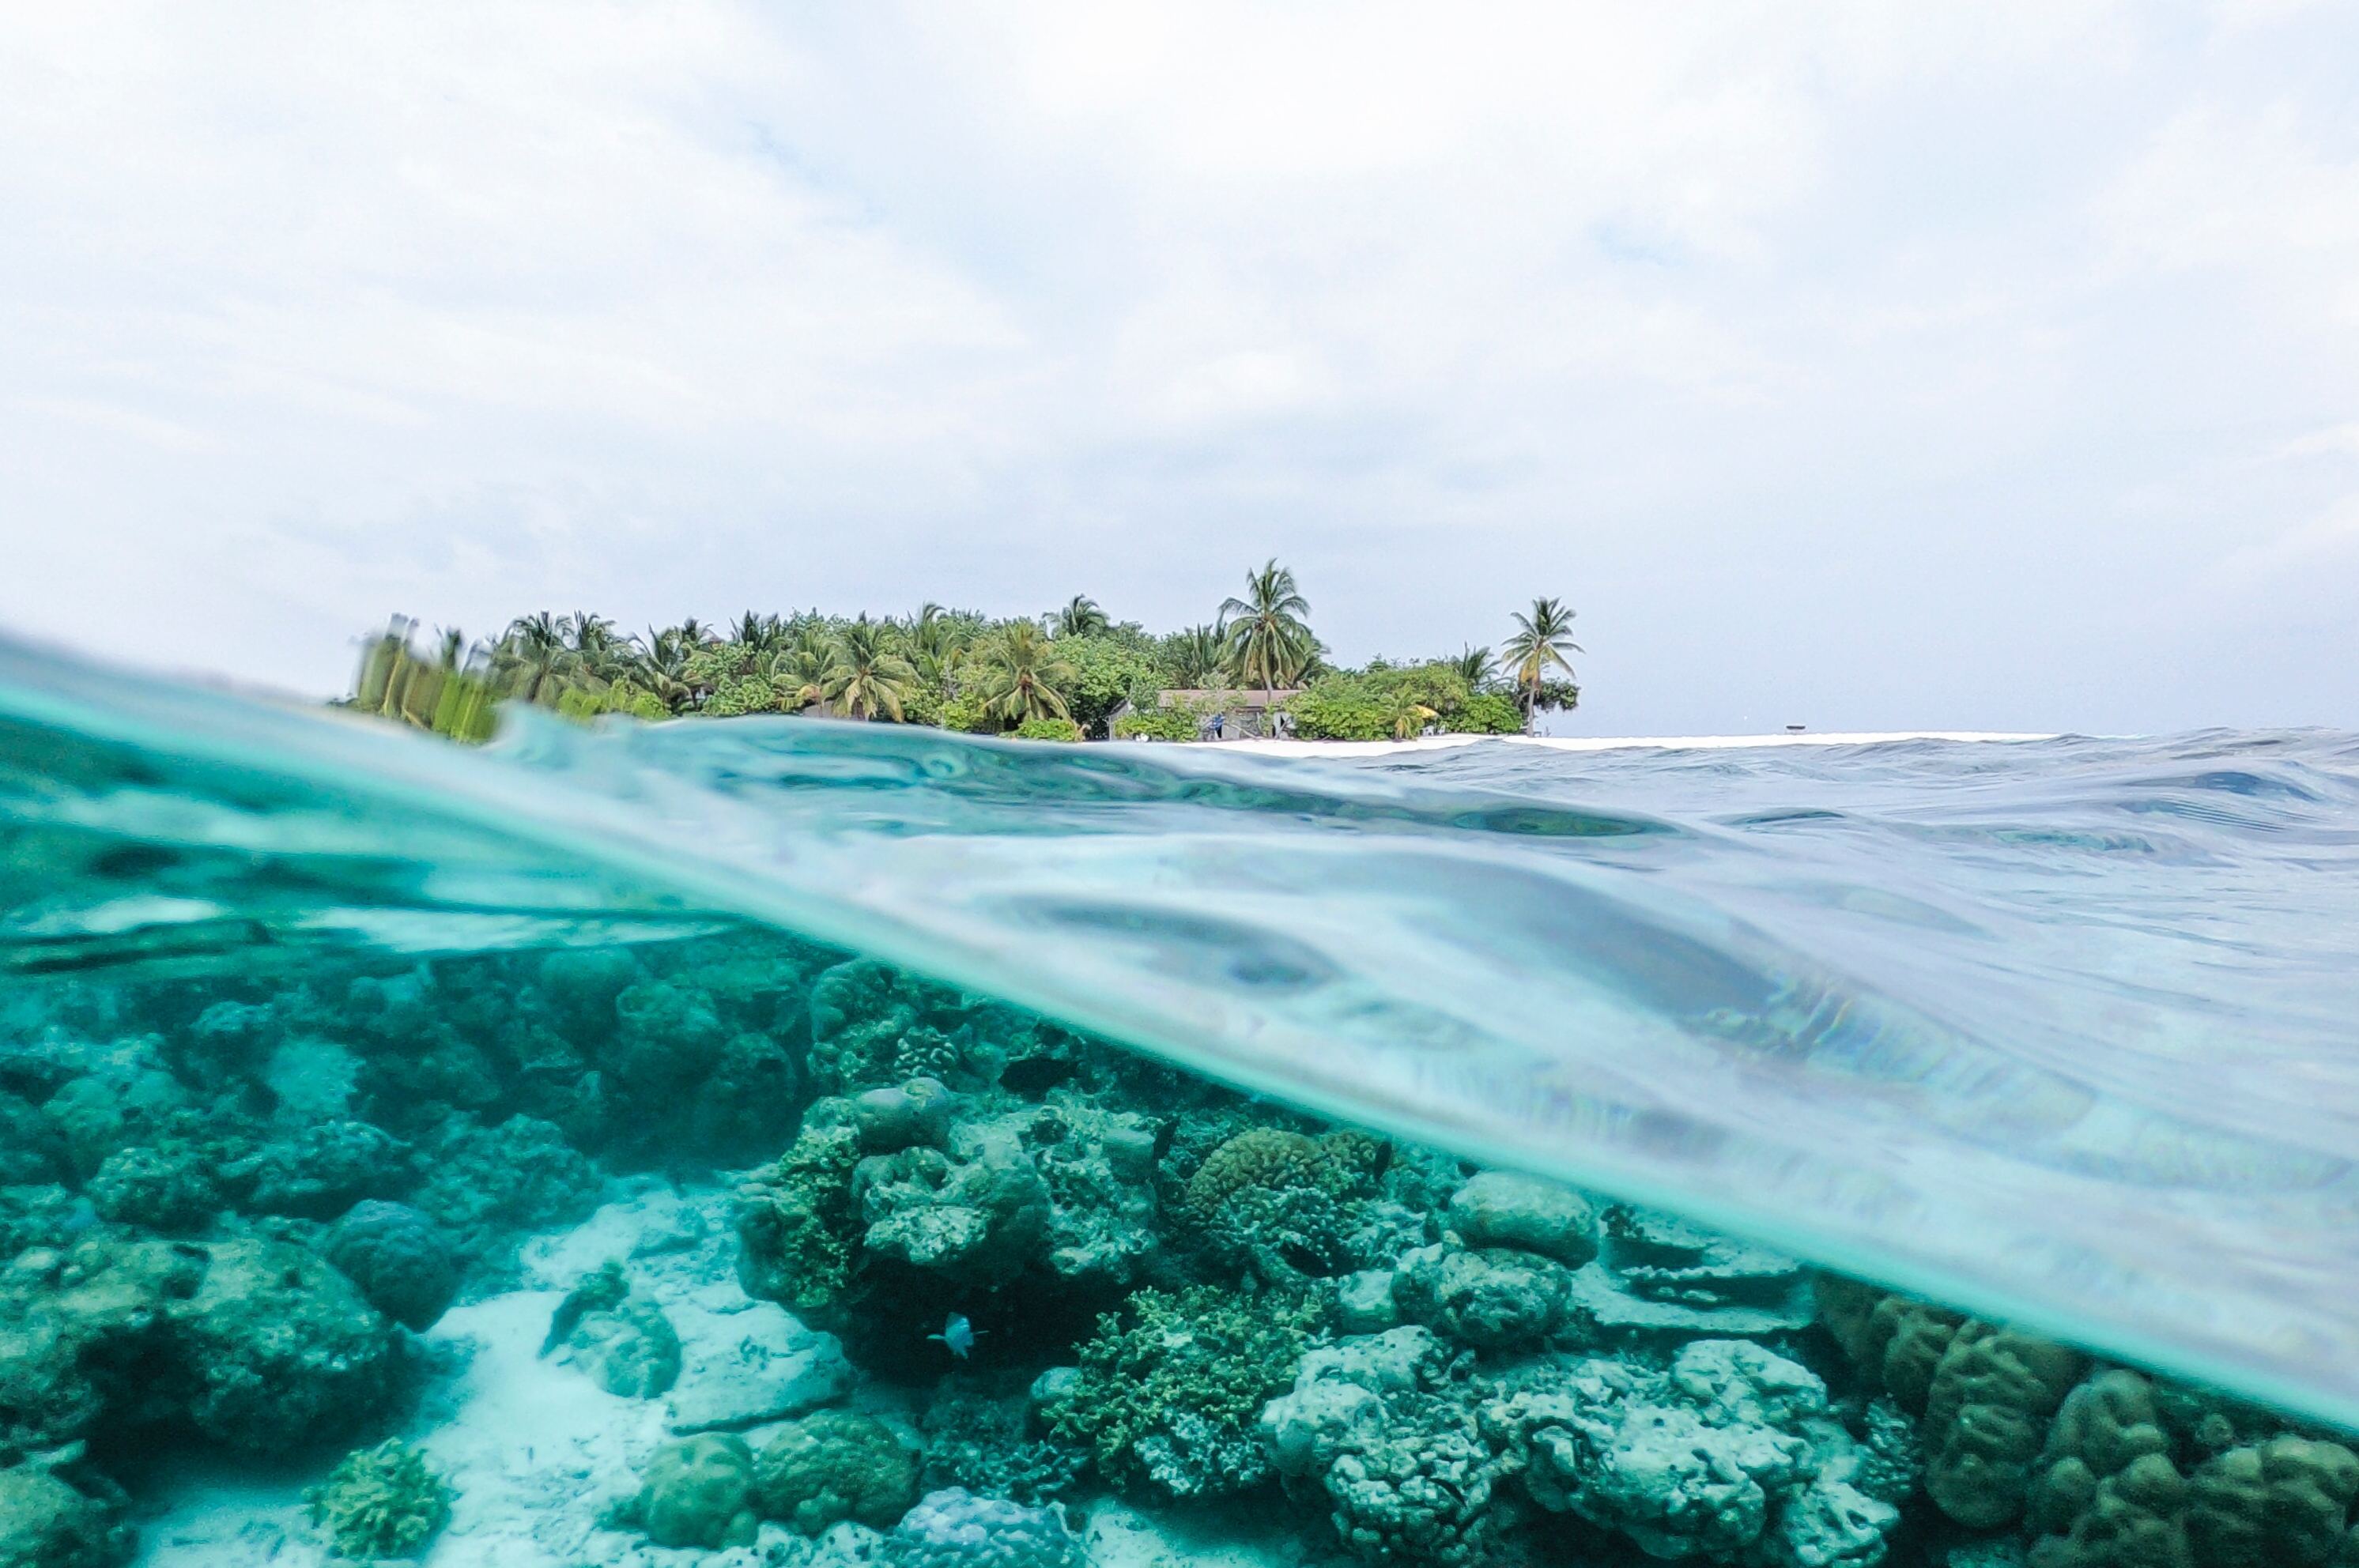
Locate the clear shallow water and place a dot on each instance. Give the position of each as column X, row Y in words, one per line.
column 2057, row 1031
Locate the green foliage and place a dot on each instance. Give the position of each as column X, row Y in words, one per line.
column 1174, row 723
column 1389, row 702
column 1195, row 658
column 1485, row 713
column 1046, row 729
column 1108, row 669
column 962, row 671
column 1183, row 1374
column 1080, row 617
column 865, row 678
column 449, row 691
column 968, row 714
column 381, row 1502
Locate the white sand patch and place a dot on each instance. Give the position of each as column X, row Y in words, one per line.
column 537, row 1451
column 1604, row 743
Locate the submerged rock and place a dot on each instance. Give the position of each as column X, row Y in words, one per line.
column 746, row 1368
column 403, row 1262
column 1506, row 1209
column 46, row 1523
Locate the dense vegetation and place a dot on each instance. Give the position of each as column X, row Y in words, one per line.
column 1062, row 676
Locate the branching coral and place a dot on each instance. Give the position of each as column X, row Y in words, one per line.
column 1170, row 1388
column 381, row 1502
column 988, row 1447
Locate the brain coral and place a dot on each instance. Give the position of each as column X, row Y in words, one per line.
column 1262, row 1157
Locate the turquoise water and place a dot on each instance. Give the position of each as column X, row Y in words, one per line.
column 2058, row 1033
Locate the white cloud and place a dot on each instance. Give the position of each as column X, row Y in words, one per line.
column 1985, row 323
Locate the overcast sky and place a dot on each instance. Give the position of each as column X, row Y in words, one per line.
column 1866, row 365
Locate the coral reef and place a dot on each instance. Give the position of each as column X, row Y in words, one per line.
column 1170, row 1389
column 236, row 1212
column 46, row 1523
column 835, row 1465
column 955, row 1529
column 401, row 1261
column 698, row 1492
column 380, row 1502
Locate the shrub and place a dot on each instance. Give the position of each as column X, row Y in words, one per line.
column 1046, row 729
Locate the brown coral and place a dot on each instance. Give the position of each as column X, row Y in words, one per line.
column 1262, row 1157
column 1986, row 1419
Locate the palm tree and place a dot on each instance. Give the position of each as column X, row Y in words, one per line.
column 801, row 669
column 866, row 678
column 1269, row 644
column 1196, row 655
column 1079, row 618
column 1474, row 665
column 1017, row 673
column 1410, row 718
column 659, row 662
column 1539, row 646
column 535, row 657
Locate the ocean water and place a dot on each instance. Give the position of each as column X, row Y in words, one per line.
column 697, row 1142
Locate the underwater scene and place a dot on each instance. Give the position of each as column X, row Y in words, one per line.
column 791, row 1143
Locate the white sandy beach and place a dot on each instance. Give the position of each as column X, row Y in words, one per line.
column 1608, row 743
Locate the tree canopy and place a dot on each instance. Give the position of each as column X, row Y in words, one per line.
column 1066, row 675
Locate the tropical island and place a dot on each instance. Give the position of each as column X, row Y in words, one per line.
column 1257, row 669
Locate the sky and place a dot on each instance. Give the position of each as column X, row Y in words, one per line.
column 1988, row 365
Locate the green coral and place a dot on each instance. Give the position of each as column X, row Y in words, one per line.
column 1264, row 1157
column 1170, row 1388
column 835, row 1465
column 1895, row 1342
column 1986, row 1420
column 987, row 1446
column 381, row 1502
column 796, row 1226
column 698, row 1492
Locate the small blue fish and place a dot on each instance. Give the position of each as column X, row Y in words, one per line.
column 958, row 1335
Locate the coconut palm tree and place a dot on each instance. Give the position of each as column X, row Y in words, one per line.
column 1018, row 672
column 866, row 678
column 1474, row 666
column 1196, row 655
column 1410, row 718
column 659, row 662
column 1079, row 618
column 1539, row 646
column 536, row 659
column 801, row 669
column 1269, row 643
